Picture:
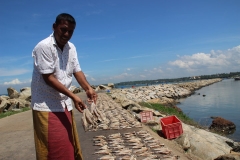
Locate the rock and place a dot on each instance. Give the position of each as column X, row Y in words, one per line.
column 228, row 157
column 111, row 85
column 221, row 124
column 183, row 140
column 12, row 93
column 4, row 105
column 102, row 87
column 25, row 93
column 76, row 90
column 205, row 144
column 157, row 114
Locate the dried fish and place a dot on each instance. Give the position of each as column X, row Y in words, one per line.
column 133, row 144
column 162, row 150
column 100, row 136
column 132, row 157
column 104, row 147
column 107, row 157
column 145, row 154
column 99, row 144
column 148, row 138
column 129, row 134
column 143, row 149
column 107, row 151
column 84, row 123
column 137, row 140
column 116, row 135
column 116, row 147
column 139, row 146
column 89, row 116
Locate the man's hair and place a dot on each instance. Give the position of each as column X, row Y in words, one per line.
column 65, row 17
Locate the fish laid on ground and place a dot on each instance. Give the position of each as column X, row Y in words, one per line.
column 106, row 151
column 139, row 146
column 132, row 157
column 107, row 157
column 84, row 123
column 104, row 147
column 100, row 136
column 116, row 135
column 162, row 150
column 143, row 149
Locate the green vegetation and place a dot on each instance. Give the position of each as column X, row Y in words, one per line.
column 178, row 80
column 171, row 111
column 9, row 113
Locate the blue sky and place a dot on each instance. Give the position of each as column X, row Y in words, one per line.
column 125, row 40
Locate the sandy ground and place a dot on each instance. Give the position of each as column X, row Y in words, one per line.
column 16, row 138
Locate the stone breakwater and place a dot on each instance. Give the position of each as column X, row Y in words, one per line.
column 165, row 94
column 194, row 140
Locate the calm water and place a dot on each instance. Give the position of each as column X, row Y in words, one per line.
column 222, row 99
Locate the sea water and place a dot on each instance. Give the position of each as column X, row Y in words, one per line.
column 221, row 99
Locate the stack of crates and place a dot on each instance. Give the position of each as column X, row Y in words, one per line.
column 146, row 116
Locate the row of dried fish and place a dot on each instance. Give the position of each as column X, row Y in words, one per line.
column 131, row 146
column 107, row 114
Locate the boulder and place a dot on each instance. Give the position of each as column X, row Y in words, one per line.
column 111, row 85
column 102, row 87
column 221, row 124
column 25, row 93
column 4, row 105
column 12, row 93
column 205, row 144
column 184, row 141
column 228, row 156
column 76, row 90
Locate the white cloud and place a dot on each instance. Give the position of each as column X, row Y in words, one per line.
column 13, row 82
column 214, row 60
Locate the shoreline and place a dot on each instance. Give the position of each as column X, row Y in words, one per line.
column 167, row 95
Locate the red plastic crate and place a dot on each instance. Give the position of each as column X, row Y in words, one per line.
column 146, row 116
column 171, row 127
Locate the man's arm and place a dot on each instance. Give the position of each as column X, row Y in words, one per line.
column 82, row 81
column 54, row 83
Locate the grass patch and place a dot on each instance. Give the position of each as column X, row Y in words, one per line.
column 9, row 113
column 171, row 111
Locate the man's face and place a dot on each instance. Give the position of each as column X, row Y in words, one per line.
column 63, row 32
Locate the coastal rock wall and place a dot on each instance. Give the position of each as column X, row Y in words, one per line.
column 163, row 93
column 202, row 143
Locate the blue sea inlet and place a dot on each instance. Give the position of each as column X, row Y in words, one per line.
column 222, row 99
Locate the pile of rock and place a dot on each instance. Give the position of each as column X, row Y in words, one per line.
column 15, row 101
column 165, row 94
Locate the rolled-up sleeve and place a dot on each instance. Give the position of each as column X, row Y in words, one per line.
column 43, row 59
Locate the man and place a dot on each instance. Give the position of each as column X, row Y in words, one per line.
column 55, row 61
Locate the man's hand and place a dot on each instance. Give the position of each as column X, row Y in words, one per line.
column 92, row 95
column 79, row 105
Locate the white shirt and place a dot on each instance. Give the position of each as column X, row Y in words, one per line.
column 49, row 58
